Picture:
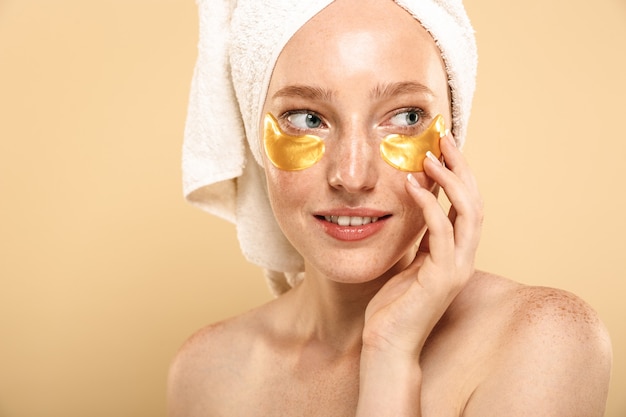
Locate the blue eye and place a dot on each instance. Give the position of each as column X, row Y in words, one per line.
column 305, row 120
column 406, row 118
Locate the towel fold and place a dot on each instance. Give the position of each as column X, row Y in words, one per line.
column 239, row 44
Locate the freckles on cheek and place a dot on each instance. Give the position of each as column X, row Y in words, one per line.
column 279, row 181
column 285, row 189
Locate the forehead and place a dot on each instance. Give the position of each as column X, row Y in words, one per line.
column 350, row 38
column 357, row 14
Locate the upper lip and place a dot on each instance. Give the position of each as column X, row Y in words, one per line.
column 352, row 212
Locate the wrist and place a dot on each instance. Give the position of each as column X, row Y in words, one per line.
column 390, row 384
column 391, row 364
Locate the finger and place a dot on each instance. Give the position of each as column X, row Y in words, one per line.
column 463, row 198
column 440, row 234
column 463, row 194
column 456, row 162
column 424, row 246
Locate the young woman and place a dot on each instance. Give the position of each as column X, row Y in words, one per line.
column 389, row 317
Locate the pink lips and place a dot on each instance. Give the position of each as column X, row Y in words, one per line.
column 352, row 225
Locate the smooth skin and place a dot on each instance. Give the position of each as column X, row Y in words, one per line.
column 398, row 323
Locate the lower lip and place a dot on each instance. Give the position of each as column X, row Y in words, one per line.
column 352, row 233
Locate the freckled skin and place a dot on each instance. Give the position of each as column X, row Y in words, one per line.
column 548, row 303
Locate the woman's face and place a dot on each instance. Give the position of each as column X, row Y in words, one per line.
column 357, row 72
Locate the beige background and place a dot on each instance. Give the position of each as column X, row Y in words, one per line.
column 105, row 270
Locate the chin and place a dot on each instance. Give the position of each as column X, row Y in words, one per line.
column 359, row 271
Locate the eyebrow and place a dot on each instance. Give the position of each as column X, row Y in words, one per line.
column 305, row 91
column 378, row 92
column 399, row 88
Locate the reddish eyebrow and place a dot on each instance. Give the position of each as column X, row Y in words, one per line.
column 305, row 91
column 380, row 91
column 405, row 87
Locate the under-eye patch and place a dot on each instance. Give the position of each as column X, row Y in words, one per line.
column 407, row 153
column 290, row 153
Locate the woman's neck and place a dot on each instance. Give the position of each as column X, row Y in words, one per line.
column 332, row 313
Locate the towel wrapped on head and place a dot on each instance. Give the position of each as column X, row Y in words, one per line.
column 240, row 41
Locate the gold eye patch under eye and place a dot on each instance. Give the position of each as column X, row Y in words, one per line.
column 294, row 153
column 407, row 153
column 290, row 153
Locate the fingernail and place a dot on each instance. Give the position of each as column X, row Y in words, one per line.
column 412, row 180
column 433, row 158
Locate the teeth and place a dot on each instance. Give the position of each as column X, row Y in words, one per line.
column 359, row 221
column 350, row 220
column 343, row 221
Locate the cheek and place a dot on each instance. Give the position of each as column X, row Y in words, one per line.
column 290, row 195
column 287, row 190
column 277, row 188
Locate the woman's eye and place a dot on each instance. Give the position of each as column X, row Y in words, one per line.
column 406, row 118
column 305, row 120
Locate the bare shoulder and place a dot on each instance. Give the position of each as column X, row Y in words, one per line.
column 206, row 370
column 534, row 308
column 551, row 317
column 202, row 348
column 553, row 357
column 562, row 314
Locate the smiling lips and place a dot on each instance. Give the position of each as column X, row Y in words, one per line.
column 350, row 220
column 351, row 228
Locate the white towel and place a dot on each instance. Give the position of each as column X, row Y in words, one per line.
column 240, row 41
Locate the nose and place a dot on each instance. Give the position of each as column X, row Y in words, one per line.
column 353, row 161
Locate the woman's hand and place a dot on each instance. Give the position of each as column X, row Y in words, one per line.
column 403, row 313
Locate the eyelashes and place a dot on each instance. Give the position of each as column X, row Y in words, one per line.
column 404, row 152
column 305, row 120
column 408, row 119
